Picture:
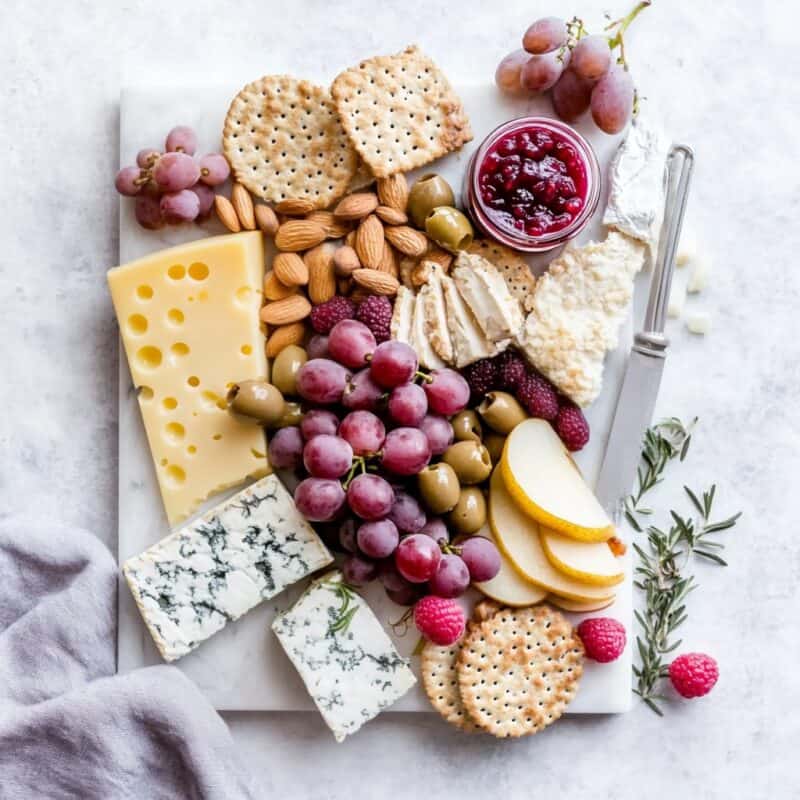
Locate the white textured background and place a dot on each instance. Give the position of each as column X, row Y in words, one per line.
column 724, row 76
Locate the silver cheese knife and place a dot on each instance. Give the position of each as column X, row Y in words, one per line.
column 637, row 398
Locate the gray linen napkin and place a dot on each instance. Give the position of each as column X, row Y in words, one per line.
column 67, row 729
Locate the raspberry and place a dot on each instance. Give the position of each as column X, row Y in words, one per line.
column 572, row 427
column 439, row 620
column 603, row 638
column 538, row 396
column 511, row 370
column 326, row 315
column 693, row 674
column 376, row 313
column 481, row 377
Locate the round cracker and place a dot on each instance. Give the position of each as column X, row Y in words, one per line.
column 284, row 140
column 518, row 670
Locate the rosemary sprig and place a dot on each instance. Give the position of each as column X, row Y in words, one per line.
column 344, row 614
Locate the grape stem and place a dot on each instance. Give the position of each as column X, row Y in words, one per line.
column 402, row 624
column 619, row 26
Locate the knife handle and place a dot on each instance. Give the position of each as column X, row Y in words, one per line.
column 680, row 163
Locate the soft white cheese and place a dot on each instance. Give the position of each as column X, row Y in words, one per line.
column 699, row 322
column 403, row 315
column 435, row 314
column 419, row 337
column 701, row 272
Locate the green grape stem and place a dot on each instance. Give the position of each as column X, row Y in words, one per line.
column 619, row 26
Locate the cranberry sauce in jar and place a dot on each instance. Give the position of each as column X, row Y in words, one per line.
column 533, row 184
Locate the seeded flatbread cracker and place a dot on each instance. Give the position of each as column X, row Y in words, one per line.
column 362, row 179
column 515, row 270
column 400, row 112
column 518, row 670
column 284, row 140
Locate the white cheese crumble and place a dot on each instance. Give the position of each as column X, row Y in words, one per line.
column 699, row 322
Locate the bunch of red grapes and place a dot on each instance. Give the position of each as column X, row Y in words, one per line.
column 173, row 187
column 374, row 422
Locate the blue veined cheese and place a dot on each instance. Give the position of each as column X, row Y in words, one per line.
column 211, row 572
column 349, row 665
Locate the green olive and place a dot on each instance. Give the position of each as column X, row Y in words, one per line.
column 257, row 402
column 293, row 415
column 469, row 514
column 427, row 193
column 285, row 367
column 470, row 460
column 449, row 228
column 439, row 487
column 467, row 426
column 501, row 411
column 494, row 443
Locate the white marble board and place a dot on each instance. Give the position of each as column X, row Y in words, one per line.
column 243, row 667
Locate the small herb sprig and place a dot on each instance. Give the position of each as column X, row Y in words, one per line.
column 343, row 616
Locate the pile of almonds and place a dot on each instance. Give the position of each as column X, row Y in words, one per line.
column 364, row 246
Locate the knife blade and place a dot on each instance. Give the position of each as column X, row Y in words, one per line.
column 637, row 398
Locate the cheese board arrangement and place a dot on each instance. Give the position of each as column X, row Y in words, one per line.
column 374, row 342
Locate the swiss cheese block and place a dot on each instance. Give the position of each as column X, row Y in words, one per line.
column 189, row 322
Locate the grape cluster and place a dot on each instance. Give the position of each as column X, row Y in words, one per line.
column 174, row 186
column 580, row 70
column 368, row 431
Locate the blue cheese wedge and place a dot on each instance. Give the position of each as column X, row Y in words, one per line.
column 349, row 665
column 191, row 584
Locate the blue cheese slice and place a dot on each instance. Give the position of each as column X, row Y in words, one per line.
column 191, row 584
column 349, row 665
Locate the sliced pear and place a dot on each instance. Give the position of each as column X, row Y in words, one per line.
column 508, row 586
column 517, row 536
column 589, row 562
column 579, row 608
column 542, row 478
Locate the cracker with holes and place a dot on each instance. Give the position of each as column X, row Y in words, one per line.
column 400, row 112
column 515, row 270
column 519, row 670
column 284, row 141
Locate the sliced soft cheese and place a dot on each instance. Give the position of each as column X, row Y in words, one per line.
column 189, row 322
column 195, row 581
column 469, row 341
column 349, row 665
column 435, row 314
column 419, row 337
column 403, row 315
column 484, row 290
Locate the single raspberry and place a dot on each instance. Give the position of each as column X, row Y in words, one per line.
column 439, row 620
column 326, row 315
column 511, row 370
column 693, row 674
column 572, row 427
column 603, row 638
column 538, row 396
column 481, row 377
column 376, row 313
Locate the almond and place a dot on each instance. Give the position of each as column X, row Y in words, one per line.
column 407, row 240
column 334, row 228
column 321, row 275
column 389, row 260
column 290, row 269
column 391, row 216
column 227, row 213
column 350, row 239
column 356, row 206
column 393, row 191
column 375, row 281
column 290, row 309
column 295, row 207
column 344, row 286
column 243, row 203
column 345, row 260
column 283, row 336
column 274, row 289
column 441, row 257
column 299, row 234
column 266, row 219
column 369, row 242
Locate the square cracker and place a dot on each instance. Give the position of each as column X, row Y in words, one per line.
column 400, row 112
column 515, row 270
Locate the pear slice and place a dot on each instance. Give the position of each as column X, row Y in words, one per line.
column 508, row 586
column 517, row 537
column 544, row 481
column 590, row 562
column 579, row 608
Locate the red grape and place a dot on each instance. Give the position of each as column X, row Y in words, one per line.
column 378, row 539
column 448, row 392
column 126, row 182
column 507, row 74
column 397, row 587
column 326, row 456
column 206, row 197
column 406, row 596
column 481, row 557
column 417, row 557
column 350, row 343
column 148, row 212
column 176, row 171
column 318, row 421
column 146, row 157
column 362, row 392
column 181, row 139
column 286, row 448
column 321, row 381
column 364, row 431
column 571, row 96
column 544, row 35
column 436, row 529
column 177, row 207
column 393, row 363
column 439, row 432
column 406, row 513
column 347, row 535
column 408, row 404
column 358, row 571
column 370, row 496
column 612, row 100
column 406, row 451
column 591, row 57
column 319, row 499
column 317, row 346
column 451, row 578
column 539, row 73
column 214, row 169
